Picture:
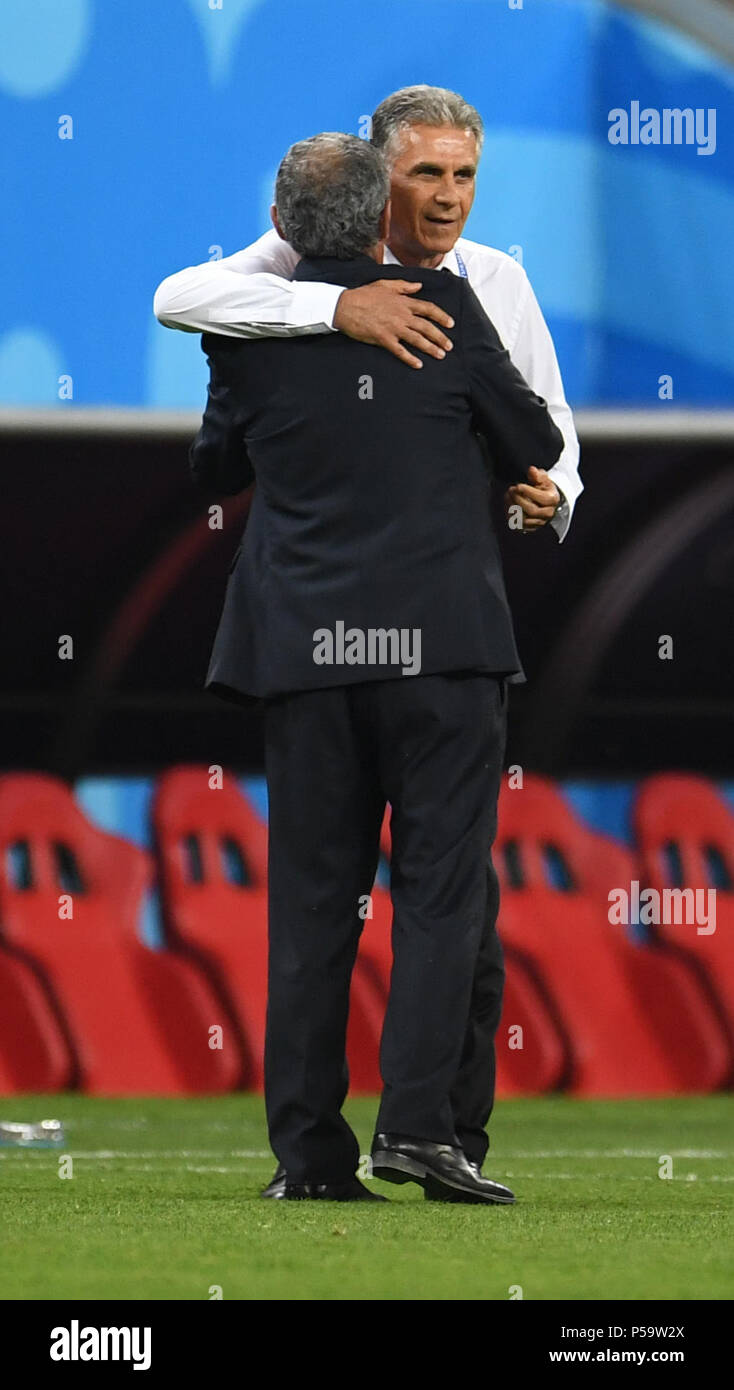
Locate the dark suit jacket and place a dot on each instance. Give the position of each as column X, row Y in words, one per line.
column 371, row 508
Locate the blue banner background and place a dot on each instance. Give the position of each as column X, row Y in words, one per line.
column 181, row 113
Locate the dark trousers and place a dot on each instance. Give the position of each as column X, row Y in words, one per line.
column 472, row 1098
column 433, row 747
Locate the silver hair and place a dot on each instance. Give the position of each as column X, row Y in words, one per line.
column 422, row 105
column 330, row 192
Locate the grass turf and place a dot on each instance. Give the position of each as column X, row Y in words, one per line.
column 163, row 1204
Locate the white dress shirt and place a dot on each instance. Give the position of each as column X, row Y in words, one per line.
column 251, row 295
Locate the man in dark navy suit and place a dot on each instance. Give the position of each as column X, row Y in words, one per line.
column 366, row 608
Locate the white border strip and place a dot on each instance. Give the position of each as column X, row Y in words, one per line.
column 592, row 425
column 100, row 420
column 681, row 425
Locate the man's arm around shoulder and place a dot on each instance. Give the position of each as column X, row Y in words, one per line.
column 247, row 295
column 252, row 295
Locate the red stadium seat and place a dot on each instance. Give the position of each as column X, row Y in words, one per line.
column 213, row 856
column 583, row 963
column 650, row 1029
column 685, row 830
column 540, row 840
column 679, row 816
column 35, row 1054
column 139, row 1019
column 538, row 1058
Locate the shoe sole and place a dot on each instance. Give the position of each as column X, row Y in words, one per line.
column 304, row 1197
column 279, row 1195
column 398, row 1168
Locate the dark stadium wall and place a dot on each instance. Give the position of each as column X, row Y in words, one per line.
column 116, row 553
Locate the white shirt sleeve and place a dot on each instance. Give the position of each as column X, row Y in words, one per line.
column 534, row 355
column 247, row 295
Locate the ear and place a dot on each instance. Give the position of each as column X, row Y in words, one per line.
column 276, row 223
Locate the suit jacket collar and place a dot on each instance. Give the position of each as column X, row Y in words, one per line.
column 358, row 271
column 361, row 270
column 448, row 262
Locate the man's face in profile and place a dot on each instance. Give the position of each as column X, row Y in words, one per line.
column 432, row 191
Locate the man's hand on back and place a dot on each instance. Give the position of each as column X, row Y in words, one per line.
column 384, row 313
column 539, row 499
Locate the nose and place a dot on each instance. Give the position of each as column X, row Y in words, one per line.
column 446, row 195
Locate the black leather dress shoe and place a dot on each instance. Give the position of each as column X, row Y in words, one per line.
column 447, row 1196
column 442, row 1170
column 350, row 1191
column 276, row 1186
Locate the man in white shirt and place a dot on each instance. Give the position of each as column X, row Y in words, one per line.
column 431, row 140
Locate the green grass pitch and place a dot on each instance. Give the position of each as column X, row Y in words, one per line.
column 163, row 1204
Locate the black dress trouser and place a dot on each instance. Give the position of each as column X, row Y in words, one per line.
column 433, row 747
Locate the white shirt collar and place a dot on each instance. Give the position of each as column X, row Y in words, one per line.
column 448, row 262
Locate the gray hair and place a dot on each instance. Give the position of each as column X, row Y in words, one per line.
column 422, row 105
column 330, row 192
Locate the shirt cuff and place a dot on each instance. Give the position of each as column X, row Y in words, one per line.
column 314, row 305
column 561, row 520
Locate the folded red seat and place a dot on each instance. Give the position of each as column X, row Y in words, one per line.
column 70, row 897
column 212, row 848
column 685, row 830
column 35, row 1053
column 638, row 1018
